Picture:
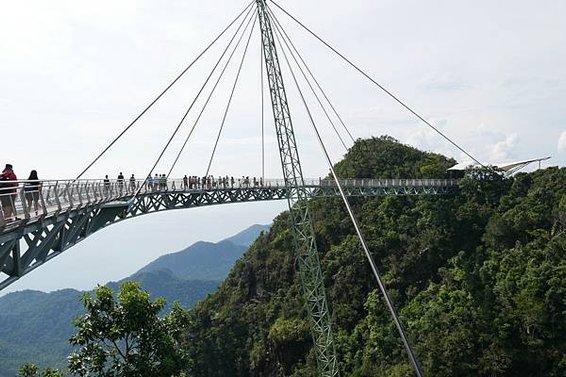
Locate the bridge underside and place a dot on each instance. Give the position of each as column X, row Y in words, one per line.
column 30, row 245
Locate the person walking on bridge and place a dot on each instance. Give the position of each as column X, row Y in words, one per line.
column 8, row 191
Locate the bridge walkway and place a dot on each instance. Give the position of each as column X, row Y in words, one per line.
column 69, row 211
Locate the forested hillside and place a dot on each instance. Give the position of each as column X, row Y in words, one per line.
column 36, row 326
column 479, row 278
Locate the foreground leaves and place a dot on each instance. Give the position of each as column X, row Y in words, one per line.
column 124, row 336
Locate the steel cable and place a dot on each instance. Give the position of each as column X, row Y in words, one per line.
column 193, row 103
column 279, row 30
column 262, row 58
column 284, row 33
column 163, row 92
column 390, row 94
column 230, row 99
column 208, row 99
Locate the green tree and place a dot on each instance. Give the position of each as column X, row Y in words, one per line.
column 124, row 336
column 32, row 370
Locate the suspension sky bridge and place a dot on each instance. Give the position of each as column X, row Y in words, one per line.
column 69, row 211
column 40, row 220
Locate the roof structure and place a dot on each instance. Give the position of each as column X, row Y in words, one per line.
column 508, row 168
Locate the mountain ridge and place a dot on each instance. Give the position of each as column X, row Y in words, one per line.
column 214, row 259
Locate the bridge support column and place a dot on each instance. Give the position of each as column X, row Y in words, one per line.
column 309, row 264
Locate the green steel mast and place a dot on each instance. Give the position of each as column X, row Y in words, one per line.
column 308, row 260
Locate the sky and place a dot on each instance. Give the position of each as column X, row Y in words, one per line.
column 74, row 74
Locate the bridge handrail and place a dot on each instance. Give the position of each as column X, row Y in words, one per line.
column 388, row 182
column 25, row 200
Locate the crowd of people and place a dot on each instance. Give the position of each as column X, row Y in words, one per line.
column 211, row 182
column 159, row 182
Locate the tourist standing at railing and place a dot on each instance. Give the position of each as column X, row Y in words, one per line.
column 8, row 191
column 156, row 183
column 106, row 185
column 163, row 182
column 149, row 182
column 185, row 182
column 32, row 189
column 132, row 183
column 120, row 182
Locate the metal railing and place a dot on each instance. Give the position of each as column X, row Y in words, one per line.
column 25, row 201
column 366, row 182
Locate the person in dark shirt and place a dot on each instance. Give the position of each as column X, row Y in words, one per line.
column 120, row 182
column 32, row 189
column 106, row 185
column 132, row 183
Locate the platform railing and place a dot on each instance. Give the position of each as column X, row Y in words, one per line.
column 25, row 200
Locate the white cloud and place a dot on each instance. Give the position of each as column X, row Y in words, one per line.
column 444, row 80
column 502, row 150
column 562, row 142
column 425, row 138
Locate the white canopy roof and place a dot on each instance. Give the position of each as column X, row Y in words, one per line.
column 506, row 167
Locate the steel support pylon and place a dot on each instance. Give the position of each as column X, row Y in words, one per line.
column 309, row 263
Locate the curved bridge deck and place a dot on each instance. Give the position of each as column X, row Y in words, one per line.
column 39, row 223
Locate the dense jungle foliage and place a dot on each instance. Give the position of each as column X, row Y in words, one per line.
column 479, row 278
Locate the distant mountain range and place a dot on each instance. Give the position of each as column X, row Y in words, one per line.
column 35, row 326
column 201, row 261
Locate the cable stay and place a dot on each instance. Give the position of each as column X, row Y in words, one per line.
column 262, row 59
column 298, row 54
column 193, row 103
column 238, row 43
column 412, row 356
column 230, row 99
column 165, row 90
column 385, row 90
column 280, row 33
